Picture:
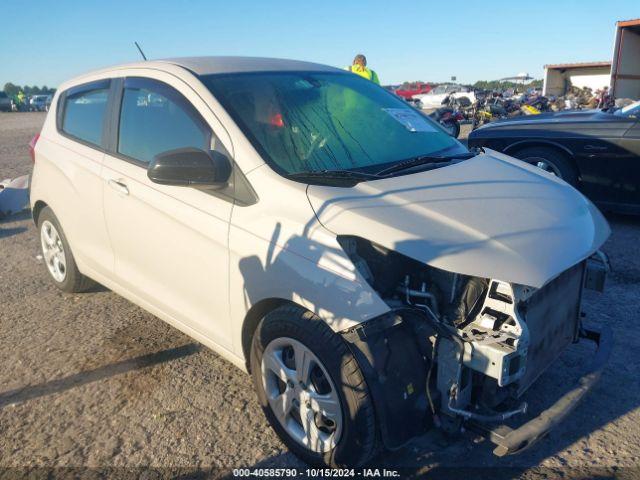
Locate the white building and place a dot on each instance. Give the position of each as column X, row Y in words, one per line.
column 559, row 77
column 621, row 75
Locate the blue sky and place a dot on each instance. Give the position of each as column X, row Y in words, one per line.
column 430, row 40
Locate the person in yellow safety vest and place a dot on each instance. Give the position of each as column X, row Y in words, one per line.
column 359, row 67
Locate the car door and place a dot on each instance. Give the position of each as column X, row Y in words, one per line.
column 631, row 143
column 169, row 242
column 71, row 163
column 607, row 154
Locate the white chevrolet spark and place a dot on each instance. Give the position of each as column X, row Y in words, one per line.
column 375, row 277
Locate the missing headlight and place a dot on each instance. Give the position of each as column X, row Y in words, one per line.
column 401, row 281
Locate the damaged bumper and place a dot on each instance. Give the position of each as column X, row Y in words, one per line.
column 456, row 349
column 509, row 441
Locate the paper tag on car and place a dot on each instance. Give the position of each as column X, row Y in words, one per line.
column 412, row 121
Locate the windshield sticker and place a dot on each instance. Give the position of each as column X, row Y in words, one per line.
column 412, row 121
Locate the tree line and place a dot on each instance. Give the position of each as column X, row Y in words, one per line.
column 486, row 84
column 10, row 89
column 500, row 85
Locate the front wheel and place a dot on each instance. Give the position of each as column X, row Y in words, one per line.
column 551, row 161
column 312, row 390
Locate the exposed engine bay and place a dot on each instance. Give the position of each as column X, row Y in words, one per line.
column 455, row 347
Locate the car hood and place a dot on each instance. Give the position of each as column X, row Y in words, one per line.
column 491, row 216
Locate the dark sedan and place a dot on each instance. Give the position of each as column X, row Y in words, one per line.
column 597, row 152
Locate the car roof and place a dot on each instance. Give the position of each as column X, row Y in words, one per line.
column 221, row 65
column 200, row 66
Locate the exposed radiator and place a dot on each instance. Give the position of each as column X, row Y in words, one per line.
column 552, row 315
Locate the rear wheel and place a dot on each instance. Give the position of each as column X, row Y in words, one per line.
column 551, row 161
column 312, row 390
column 452, row 128
column 57, row 255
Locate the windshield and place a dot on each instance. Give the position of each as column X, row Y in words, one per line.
column 315, row 122
column 631, row 110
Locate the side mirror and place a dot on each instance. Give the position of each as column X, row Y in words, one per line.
column 190, row 167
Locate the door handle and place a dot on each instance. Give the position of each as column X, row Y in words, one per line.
column 595, row 147
column 119, row 187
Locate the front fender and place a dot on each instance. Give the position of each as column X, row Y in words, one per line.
column 514, row 147
column 316, row 276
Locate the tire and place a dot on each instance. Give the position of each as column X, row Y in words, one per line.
column 56, row 253
column 452, row 128
column 350, row 434
column 551, row 161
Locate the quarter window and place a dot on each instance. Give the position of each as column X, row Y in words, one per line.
column 84, row 112
column 155, row 118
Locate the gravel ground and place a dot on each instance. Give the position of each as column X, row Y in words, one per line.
column 93, row 381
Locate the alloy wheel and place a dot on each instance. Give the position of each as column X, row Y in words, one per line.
column 301, row 394
column 53, row 251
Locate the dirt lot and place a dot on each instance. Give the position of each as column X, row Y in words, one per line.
column 93, row 381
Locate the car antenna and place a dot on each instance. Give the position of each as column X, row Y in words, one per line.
column 141, row 52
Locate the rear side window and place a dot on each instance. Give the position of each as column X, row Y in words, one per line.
column 84, row 111
column 155, row 118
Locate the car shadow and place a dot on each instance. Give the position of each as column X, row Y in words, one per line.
column 31, row 392
column 16, row 217
column 97, row 288
column 8, row 232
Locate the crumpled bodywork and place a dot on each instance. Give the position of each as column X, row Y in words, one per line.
column 491, row 216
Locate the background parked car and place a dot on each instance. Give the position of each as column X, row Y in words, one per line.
column 5, row 102
column 38, row 103
column 412, row 90
column 598, row 152
column 435, row 97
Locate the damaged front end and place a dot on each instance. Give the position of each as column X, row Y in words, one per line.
column 456, row 348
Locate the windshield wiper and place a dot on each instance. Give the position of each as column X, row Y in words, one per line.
column 353, row 176
column 422, row 160
column 349, row 175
